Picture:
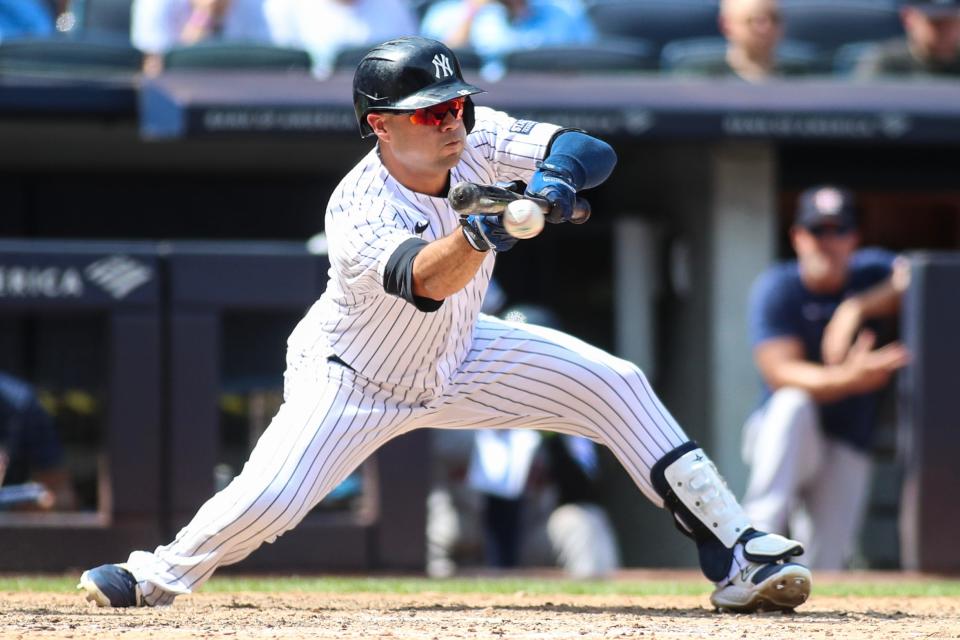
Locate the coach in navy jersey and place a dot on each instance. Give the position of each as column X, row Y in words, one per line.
column 397, row 342
column 808, row 443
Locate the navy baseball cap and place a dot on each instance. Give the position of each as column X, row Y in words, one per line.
column 827, row 206
column 936, row 8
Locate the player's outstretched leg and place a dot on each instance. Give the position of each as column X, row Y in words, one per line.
column 752, row 569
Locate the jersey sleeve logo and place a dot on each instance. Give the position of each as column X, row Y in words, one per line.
column 441, row 66
column 420, row 227
column 523, row 127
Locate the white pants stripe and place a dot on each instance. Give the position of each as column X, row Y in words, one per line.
column 516, row 376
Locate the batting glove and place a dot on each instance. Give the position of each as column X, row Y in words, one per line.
column 486, row 232
column 555, row 185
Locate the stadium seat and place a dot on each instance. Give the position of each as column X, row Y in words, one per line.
column 103, row 18
column 848, row 56
column 633, row 55
column 72, row 56
column 237, row 55
column 692, row 54
column 830, row 24
column 656, row 21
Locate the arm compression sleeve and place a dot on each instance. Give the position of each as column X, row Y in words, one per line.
column 588, row 160
column 398, row 275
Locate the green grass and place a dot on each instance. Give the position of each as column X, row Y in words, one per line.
column 385, row 585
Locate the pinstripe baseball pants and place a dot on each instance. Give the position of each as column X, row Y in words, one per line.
column 332, row 419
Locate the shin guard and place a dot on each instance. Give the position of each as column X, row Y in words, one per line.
column 703, row 506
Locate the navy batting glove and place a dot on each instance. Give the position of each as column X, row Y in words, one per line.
column 555, row 185
column 487, row 232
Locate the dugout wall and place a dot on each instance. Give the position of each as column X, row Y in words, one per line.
column 163, row 308
column 116, row 287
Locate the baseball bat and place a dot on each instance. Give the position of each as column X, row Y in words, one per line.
column 468, row 198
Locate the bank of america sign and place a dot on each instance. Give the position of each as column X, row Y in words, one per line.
column 117, row 275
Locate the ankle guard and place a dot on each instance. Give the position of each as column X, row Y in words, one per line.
column 702, row 505
column 769, row 547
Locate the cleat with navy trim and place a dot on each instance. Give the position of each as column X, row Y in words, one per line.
column 111, row 585
column 759, row 584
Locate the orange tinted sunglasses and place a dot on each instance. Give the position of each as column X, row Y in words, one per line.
column 434, row 115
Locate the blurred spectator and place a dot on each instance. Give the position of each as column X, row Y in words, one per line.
column 160, row 25
column 808, row 444
column 932, row 45
column 753, row 30
column 326, row 27
column 495, row 27
column 19, row 18
column 30, row 450
column 320, row 27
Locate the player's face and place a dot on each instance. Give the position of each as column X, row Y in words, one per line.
column 428, row 143
column 824, row 253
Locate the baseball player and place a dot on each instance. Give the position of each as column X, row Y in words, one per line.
column 808, row 442
column 397, row 343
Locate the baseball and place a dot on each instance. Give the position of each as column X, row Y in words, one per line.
column 523, row 219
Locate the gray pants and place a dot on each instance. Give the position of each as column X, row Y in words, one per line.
column 802, row 481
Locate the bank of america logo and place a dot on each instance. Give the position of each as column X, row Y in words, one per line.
column 118, row 275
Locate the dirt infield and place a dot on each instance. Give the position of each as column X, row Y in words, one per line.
column 441, row 616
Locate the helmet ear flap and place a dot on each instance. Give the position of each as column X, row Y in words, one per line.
column 469, row 117
column 365, row 129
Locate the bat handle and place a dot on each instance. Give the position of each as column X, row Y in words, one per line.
column 581, row 211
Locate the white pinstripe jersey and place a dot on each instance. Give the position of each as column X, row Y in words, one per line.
column 381, row 336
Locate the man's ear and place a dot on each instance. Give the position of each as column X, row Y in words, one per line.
column 377, row 122
column 722, row 25
column 797, row 235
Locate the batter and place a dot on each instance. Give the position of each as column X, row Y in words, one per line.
column 397, row 343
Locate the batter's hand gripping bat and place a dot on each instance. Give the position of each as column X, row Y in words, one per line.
column 468, row 198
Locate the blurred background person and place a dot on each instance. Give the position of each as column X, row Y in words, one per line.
column 494, row 28
column 808, row 443
column 30, row 449
column 160, row 25
column 753, row 29
column 754, row 33
column 324, row 28
column 931, row 46
column 754, row 48
column 25, row 18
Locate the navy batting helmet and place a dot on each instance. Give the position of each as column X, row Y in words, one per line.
column 406, row 74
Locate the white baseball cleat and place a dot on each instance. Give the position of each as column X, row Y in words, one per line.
column 759, row 584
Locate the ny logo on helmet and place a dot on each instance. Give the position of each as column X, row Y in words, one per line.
column 441, row 66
